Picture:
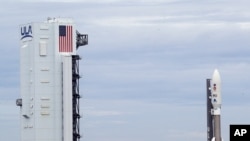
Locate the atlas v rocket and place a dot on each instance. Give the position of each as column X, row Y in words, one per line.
column 49, row 80
column 214, row 107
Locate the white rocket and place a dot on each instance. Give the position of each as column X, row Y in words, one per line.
column 216, row 92
column 216, row 103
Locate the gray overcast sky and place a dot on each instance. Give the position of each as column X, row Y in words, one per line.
column 144, row 70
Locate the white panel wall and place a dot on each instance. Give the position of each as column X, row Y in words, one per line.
column 67, row 98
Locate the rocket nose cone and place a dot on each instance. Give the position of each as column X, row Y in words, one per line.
column 216, row 75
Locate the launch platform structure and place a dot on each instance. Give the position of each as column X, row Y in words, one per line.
column 49, row 80
column 210, row 129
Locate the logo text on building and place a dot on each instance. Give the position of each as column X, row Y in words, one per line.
column 26, row 31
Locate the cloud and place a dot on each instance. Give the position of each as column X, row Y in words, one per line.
column 185, row 135
column 145, row 120
column 9, row 118
column 103, row 113
column 102, row 1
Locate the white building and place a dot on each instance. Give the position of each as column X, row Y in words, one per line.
column 49, row 103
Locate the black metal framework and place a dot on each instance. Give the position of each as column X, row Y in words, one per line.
column 210, row 129
column 76, row 97
column 81, row 39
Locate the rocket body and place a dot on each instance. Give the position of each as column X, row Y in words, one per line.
column 216, row 103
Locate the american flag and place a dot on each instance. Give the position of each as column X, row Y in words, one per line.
column 65, row 38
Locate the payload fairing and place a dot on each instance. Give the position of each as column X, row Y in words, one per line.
column 49, row 81
column 216, row 92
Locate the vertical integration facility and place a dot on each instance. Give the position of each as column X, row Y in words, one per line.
column 49, row 82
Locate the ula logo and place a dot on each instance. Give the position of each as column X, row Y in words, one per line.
column 26, row 31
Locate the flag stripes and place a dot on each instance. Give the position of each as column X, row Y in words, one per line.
column 65, row 39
